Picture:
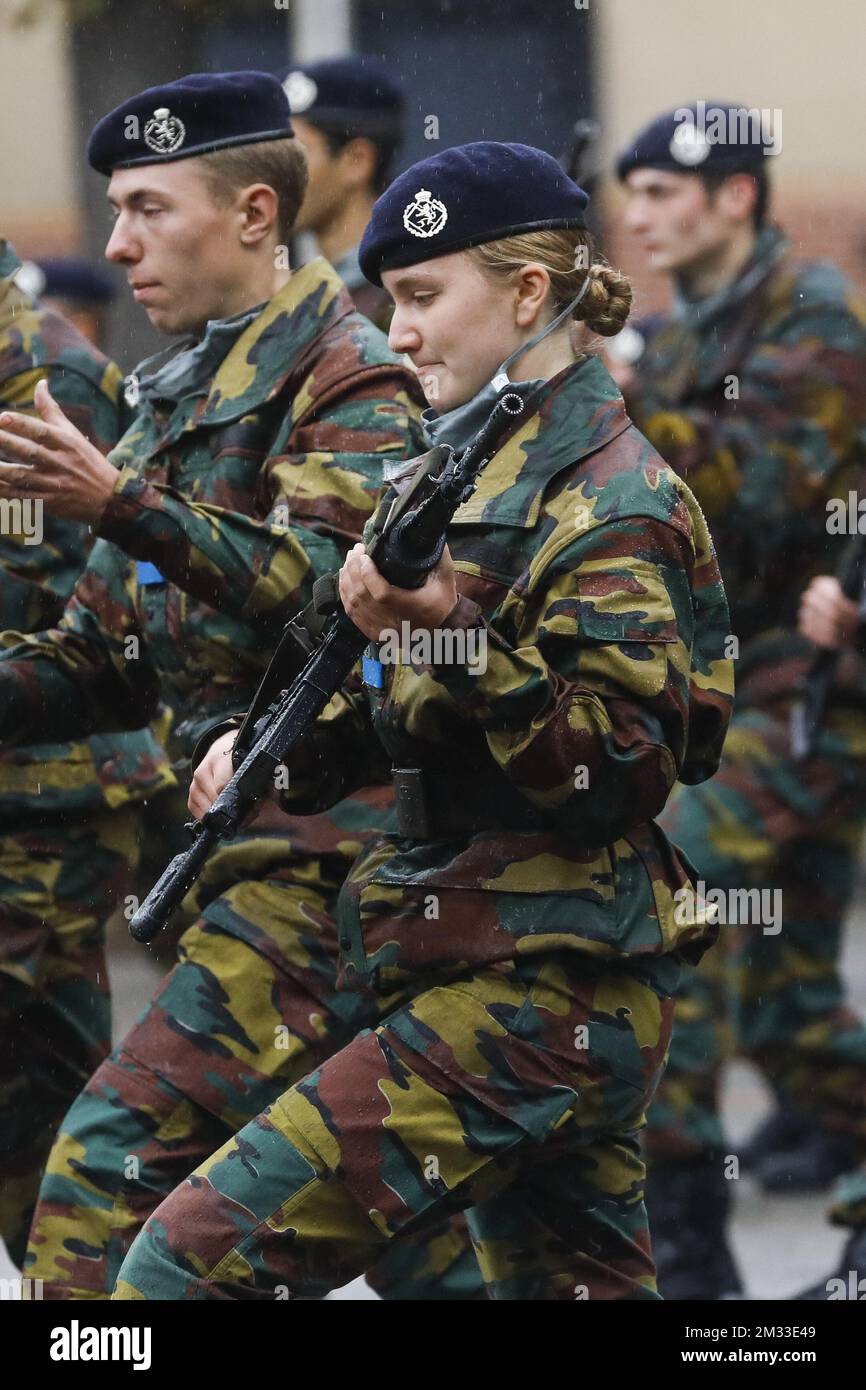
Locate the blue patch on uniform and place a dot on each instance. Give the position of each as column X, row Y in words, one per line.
column 373, row 672
column 147, row 573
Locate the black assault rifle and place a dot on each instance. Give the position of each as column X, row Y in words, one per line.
column 407, row 541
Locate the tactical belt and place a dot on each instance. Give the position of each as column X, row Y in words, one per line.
column 431, row 807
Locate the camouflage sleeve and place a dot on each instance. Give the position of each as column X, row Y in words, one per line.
column 791, row 414
column 90, row 674
column 587, row 709
column 323, row 483
column 41, row 568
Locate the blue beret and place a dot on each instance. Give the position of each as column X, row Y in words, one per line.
column 202, row 112
column 72, row 277
column 356, row 93
column 706, row 136
column 465, row 196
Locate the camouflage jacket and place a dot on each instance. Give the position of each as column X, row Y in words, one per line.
column 757, row 396
column 41, row 563
column 229, row 503
column 589, row 584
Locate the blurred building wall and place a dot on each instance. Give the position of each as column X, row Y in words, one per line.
column 39, row 145
column 506, row 69
column 800, row 57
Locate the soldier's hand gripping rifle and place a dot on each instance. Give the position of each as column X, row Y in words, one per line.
column 407, row 543
column 807, row 714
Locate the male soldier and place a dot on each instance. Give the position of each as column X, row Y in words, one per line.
column 68, row 811
column 254, row 460
column 754, row 388
column 349, row 114
column 837, row 623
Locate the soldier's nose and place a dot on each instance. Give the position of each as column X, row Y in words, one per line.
column 119, row 248
column 402, row 337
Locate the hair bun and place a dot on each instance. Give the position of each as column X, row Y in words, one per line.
column 607, row 302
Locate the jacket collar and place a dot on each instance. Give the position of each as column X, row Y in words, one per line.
column 270, row 350
column 576, row 412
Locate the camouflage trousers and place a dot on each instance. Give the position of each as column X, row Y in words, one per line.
column 251, row 1007
column 58, row 885
column 514, row 1093
column 771, row 990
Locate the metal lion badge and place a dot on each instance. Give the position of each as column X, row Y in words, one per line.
column 425, row 215
column 164, row 133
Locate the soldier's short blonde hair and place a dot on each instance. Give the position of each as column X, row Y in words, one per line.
column 281, row 164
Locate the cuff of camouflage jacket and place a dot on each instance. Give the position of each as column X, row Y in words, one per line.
column 121, row 517
column 210, row 736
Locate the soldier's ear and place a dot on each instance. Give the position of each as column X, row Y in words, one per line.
column 358, row 159
column 533, row 286
column 737, row 197
column 260, row 207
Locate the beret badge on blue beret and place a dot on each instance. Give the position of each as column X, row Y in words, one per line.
column 425, row 216
column 689, row 145
column 301, row 91
column 193, row 115
column 164, row 133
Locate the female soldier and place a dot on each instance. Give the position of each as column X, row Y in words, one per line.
column 524, row 931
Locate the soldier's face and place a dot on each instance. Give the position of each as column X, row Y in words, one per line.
column 180, row 249
column 453, row 324
column 332, row 178
column 323, row 196
column 677, row 222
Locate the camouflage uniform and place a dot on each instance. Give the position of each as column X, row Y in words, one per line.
column 756, row 397
column 68, row 811
column 239, row 494
column 522, row 953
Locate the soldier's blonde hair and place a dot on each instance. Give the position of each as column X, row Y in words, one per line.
column 569, row 257
column 281, row 164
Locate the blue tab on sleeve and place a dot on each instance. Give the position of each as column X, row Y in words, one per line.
column 147, row 573
column 372, row 671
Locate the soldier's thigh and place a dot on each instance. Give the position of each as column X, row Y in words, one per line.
column 57, row 887
column 434, row 1111
column 225, row 1033
column 573, row 1225
column 684, row 1118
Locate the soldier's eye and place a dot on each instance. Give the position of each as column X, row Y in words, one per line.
column 424, row 298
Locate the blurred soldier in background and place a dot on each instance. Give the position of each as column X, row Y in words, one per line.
column 349, row 115
column 754, row 389
column 71, row 286
column 69, row 812
column 837, row 623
